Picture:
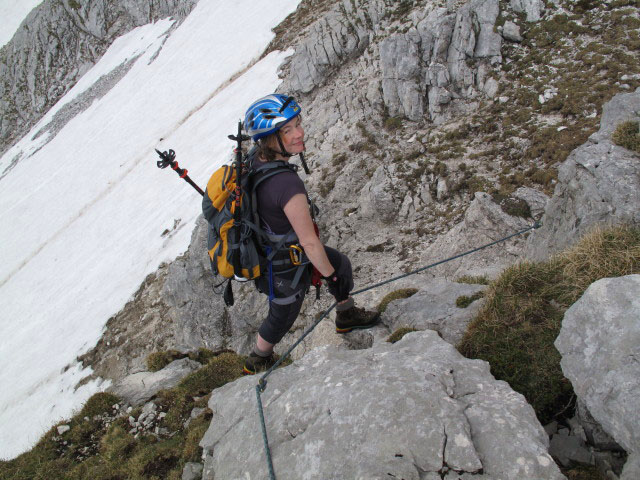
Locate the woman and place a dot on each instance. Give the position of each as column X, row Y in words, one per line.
column 274, row 122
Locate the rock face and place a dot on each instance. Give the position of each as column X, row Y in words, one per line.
column 56, row 44
column 336, row 38
column 593, row 430
column 138, row 388
column 426, row 68
column 484, row 222
column 631, row 469
column 424, row 71
column 416, row 409
column 599, row 183
column 600, row 346
column 434, row 308
column 532, row 8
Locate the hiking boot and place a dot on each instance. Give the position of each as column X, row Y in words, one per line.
column 355, row 317
column 255, row 363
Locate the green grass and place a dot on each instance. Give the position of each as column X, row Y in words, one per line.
column 515, row 207
column 473, row 280
column 392, row 124
column 522, row 315
column 158, row 360
column 98, row 450
column 178, row 401
column 627, row 135
column 464, row 301
column 583, row 472
column 399, row 333
column 395, row 295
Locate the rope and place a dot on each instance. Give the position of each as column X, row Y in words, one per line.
column 262, row 383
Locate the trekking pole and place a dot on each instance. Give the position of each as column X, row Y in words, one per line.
column 169, row 159
column 237, row 270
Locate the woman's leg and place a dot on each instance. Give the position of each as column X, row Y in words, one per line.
column 348, row 316
column 278, row 322
column 263, row 346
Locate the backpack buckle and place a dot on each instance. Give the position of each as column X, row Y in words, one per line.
column 296, row 253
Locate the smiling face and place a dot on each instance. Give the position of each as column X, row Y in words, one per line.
column 292, row 136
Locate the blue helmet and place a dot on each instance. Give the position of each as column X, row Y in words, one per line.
column 268, row 114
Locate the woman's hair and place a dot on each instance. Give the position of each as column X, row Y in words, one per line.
column 264, row 150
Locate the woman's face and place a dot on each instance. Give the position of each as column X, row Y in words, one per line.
column 292, row 136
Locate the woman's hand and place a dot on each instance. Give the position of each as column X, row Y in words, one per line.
column 338, row 286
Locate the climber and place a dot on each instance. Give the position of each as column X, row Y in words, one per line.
column 275, row 124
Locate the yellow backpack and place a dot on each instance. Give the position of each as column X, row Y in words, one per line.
column 238, row 247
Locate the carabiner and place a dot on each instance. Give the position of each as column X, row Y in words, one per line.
column 296, row 252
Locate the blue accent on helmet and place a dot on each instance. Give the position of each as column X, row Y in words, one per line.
column 268, row 114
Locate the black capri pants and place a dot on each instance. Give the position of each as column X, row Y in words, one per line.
column 281, row 316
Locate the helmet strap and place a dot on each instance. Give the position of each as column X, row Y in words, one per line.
column 282, row 151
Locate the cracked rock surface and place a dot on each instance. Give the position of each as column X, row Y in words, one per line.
column 600, row 347
column 416, row 409
column 434, row 307
column 599, row 183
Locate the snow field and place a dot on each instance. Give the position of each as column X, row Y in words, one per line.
column 83, row 215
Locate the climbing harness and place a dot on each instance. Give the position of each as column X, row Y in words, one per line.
column 262, row 382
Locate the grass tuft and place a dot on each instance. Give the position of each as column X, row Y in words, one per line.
column 627, row 135
column 99, row 451
column 399, row 333
column 473, row 280
column 464, row 301
column 99, row 404
column 521, row 318
column 179, row 401
column 392, row 124
column 395, row 295
column 156, row 361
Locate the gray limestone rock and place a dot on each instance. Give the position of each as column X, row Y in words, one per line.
column 600, row 346
column 434, row 308
column 631, row 470
column 599, row 183
column 533, row 8
column 569, row 450
column 448, row 39
column 402, row 91
column 621, row 108
column 484, row 222
column 199, row 317
column 536, row 200
column 511, row 32
column 593, row 430
column 332, row 40
column 412, row 410
column 377, row 197
column 56, row 44
column 192, row 471
column 138, row 388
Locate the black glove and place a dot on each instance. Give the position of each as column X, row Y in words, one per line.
column 338, row 286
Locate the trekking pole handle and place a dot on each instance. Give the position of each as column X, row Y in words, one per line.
column 167, row 158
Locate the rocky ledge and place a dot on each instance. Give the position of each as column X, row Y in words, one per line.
column 416, row 409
